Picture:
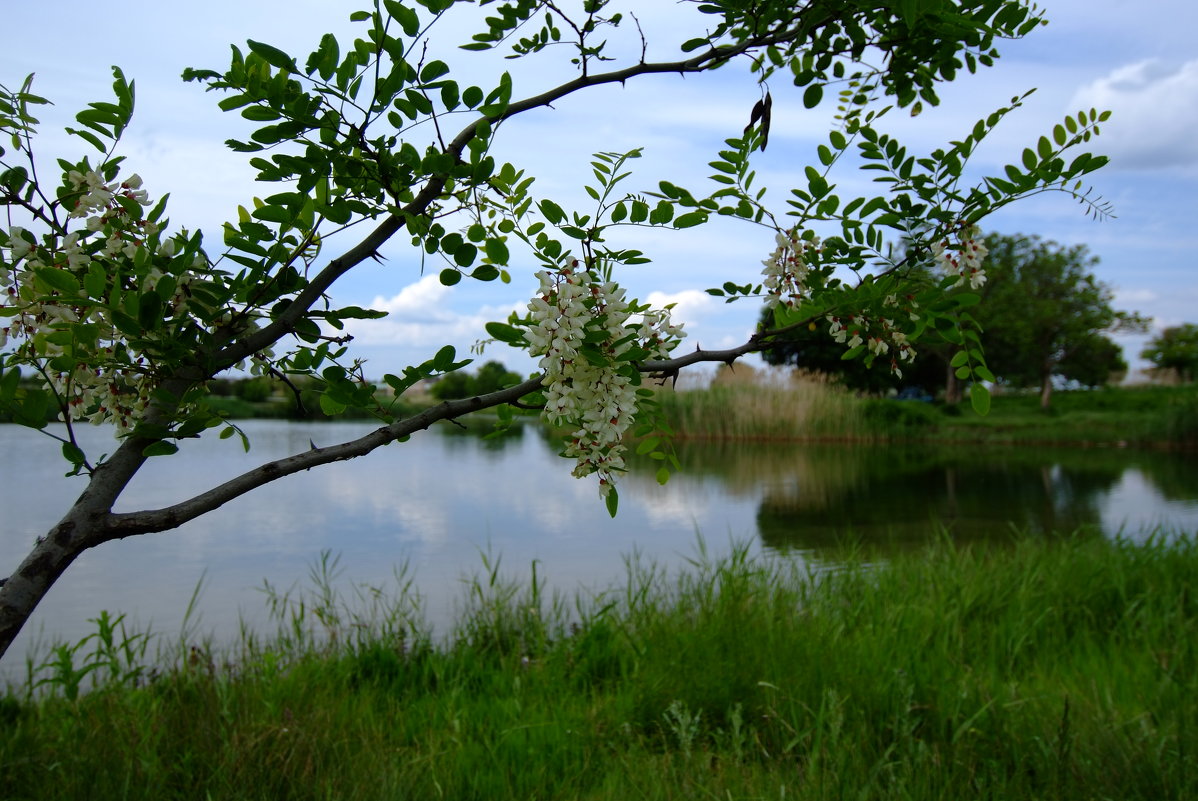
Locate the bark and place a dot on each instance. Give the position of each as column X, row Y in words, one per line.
column 84, row 526
column 1045, row 390
column 952, row 387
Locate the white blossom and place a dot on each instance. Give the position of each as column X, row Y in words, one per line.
column 572, row 311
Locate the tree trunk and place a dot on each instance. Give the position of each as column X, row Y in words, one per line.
column 1045, row 391
column 84, row 526
column 24, row 589
column 952, row 388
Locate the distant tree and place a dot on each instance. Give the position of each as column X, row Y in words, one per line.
column 491, row 377
column 1097, row 361
column 812, row 348
column 1175, row 348
column 1043, row 314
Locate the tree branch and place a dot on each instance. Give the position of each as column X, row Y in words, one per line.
column 128, row 524
column 285, row 322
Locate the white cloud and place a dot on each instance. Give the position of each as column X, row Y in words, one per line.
column 422, row 314
column 690, row 305
column 1130, row 297
column 1154, row 113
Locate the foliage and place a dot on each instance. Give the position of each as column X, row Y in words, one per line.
column 124, row 320
column 1044, row 315
column 1175, row 348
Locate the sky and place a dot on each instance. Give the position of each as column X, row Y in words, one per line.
column 1136, row 59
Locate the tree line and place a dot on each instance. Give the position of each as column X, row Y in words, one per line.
column 1044, row 318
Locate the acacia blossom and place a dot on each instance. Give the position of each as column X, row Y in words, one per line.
column 584, row 331
column 71, row 337
column 963, row 258
column 787, row 268
column 881, row 336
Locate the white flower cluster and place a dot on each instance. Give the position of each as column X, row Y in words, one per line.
column 98, row 380
column 964, row 258
column 584, row 332
column 882, row 337
column 787, row 267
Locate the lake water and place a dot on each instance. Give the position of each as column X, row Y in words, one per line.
column 443, row 500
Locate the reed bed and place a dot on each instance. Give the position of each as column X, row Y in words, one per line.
column 1047, row 668
column 744, row 403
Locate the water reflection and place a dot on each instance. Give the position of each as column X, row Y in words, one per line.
column 815, row 497
column 439, row 500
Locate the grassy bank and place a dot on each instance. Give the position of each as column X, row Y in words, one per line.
column 1062, row 670
column 808, row 408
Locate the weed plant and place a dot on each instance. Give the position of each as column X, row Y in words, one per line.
column 1045, row 669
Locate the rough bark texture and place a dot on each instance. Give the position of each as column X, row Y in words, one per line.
column 85, row 525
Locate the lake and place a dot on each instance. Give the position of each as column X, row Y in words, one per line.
column 445, row 500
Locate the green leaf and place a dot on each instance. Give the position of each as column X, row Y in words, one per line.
column 433, row 70
column 1044, row 147
column 260, row 113
column 662, row 213
column 274, row 214
column 497, row 251
column 691, row 219
column 1029, row 159
column 59, row 280
column 967, row 299
column 472, row 96
column 979, row 397
column 552, row 212
column 612, row 501
column 506, row 333
column 961, row 357
column 813, row 95
column 450, row 276
column 331, row 407
column 464, row 255
column 273, row 55
column 72, row 453
column 443, row 360
column 647, row 444
column 160, row 448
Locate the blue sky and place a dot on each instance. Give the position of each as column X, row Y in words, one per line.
column 1136, row 59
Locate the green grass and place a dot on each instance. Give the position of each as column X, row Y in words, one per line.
column 1043, row 669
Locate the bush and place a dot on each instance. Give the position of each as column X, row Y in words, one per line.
column 887, row 415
